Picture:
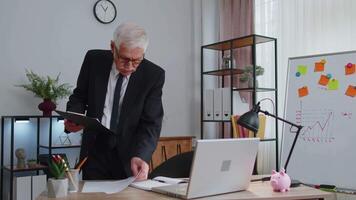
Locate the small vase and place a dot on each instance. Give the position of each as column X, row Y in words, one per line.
column 250, row 83
column 47, row 106
column 57, row 188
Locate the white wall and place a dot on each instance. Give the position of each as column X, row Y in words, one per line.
column 52, row 37
column 210, row 34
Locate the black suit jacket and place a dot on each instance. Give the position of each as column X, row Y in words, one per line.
column 141, row 113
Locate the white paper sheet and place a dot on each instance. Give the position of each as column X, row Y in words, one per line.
column 109, row 187
column 147, row 184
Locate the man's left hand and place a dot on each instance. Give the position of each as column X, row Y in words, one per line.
column 137, row 165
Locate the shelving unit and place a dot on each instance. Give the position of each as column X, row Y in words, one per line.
column 11, row 167
column 227, row 77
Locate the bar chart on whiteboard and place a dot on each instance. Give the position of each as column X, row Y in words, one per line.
column 321, row 97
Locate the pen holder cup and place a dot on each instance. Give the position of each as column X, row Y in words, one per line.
column 75, row 176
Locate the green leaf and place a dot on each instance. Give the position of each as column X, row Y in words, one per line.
column 46, row 87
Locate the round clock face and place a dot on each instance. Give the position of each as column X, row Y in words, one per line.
column 105, row 11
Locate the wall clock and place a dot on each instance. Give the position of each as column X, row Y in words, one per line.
column 105, row 11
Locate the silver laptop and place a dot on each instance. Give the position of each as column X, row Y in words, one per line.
column 219, row 166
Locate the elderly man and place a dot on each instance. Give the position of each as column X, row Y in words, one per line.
column 124, row 90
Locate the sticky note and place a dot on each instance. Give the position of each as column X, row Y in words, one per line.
column 319, row 67
column 351, row 91
column 302, row 69
column 324, row 80
column 303, row 91
column 333, row 84
column 349, row 69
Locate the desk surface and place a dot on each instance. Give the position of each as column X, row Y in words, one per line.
column 257, row 190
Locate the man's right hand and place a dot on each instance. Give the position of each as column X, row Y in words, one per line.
column 71, row 126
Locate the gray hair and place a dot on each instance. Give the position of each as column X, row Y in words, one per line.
column 131, row 35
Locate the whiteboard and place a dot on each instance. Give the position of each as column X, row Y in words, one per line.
column 321, row 97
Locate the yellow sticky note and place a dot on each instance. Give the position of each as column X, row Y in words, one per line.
column 333, row 84
column 302, row 69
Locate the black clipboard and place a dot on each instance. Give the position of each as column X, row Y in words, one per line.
column 89, row 123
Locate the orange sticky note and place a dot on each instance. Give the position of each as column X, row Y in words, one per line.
column 349, row 69
column 303, row 91
column 319, row 67
column 351, row 91
column 324, row 80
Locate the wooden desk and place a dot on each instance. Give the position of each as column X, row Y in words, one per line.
column 257, row 190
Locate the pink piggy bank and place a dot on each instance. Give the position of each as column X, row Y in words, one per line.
column 280, row 181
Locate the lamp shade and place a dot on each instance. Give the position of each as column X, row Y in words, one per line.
column 249, row 120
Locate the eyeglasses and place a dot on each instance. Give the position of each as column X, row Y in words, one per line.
column 126, row 61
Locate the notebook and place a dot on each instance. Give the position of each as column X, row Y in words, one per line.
column 157, row 182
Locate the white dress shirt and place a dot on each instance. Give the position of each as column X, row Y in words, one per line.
column 109, row 98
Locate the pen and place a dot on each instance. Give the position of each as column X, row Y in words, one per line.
column 332, row 188
column 328, row 188
column 81, row 163
column 346, row 191
column 323, row 187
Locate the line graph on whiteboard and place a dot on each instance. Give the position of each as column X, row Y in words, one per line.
column 317, row 124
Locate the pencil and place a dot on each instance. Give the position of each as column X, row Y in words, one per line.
column 82, row 163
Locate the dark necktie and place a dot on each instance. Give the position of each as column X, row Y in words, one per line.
column 115, row 106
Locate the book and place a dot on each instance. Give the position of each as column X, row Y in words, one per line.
column 88, row 122
column 235, row 132
column 262, row 128
column 157, row 182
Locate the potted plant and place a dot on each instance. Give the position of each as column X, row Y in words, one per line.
column 247, row 75
column 48, row 89
column 58, row 184
column 31, row 163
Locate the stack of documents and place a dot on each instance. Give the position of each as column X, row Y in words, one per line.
column 109, row 187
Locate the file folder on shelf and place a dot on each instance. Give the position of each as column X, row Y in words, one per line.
column 226, row 103
column 39, row 184
column 218, row 104
column 22, row 188
column 209, row 104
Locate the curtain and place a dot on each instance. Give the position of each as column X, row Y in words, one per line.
column 236, row 21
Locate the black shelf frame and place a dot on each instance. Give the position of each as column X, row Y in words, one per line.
column 10, row 168
column 61, row 147
column 249, row 40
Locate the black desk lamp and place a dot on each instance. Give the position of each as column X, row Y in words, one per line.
column 250, row 121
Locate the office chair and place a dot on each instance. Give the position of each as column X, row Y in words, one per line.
column 177, row 166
